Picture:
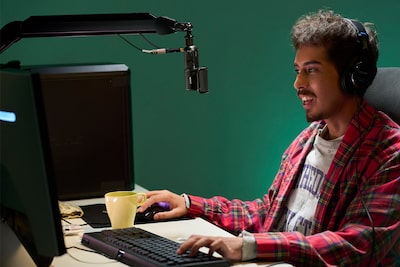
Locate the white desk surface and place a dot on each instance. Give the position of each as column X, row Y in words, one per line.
column 174, row 230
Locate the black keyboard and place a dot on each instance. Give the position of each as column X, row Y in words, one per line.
column 137, row 247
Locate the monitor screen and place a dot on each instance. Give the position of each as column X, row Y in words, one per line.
column 88, row 114
column 28, row 187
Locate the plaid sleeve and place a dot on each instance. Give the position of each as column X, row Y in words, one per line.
column 232, row 215
column 330, row 248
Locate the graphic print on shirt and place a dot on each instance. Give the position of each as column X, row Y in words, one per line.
column 298, row 215
column 302, row 202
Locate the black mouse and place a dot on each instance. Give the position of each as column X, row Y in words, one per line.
column 148, row 215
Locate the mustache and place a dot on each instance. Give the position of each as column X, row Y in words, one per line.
column 304, row 92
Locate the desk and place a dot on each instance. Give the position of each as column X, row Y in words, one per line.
column 174, row 230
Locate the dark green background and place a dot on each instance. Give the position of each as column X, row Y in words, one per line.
column 228, row 142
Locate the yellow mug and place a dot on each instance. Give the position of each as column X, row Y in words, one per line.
column 121, row 207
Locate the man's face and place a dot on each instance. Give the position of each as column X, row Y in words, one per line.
column 317, row 84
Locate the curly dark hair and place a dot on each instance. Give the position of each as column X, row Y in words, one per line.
column 338, row 35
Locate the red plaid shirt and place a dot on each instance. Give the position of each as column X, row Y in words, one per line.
column 342, row 235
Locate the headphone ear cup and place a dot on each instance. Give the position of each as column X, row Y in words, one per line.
column 357, row 78
column 362, row 76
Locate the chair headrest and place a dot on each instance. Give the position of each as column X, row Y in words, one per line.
column 384, row 92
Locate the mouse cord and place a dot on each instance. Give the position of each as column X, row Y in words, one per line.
column 90, row 251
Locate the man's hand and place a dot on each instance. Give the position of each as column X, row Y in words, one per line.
column 176, row 202
column 228, row 247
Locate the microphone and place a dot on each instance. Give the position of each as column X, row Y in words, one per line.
column 196, row 77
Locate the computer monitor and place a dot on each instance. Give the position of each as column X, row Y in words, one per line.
column 28, row 187
column 88, row 114
column 65, row 133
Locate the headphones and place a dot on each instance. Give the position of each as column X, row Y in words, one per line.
column 362, row 70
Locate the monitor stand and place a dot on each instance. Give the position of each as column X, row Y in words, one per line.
column 12, row 251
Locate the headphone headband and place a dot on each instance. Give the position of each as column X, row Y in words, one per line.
column 362, row 34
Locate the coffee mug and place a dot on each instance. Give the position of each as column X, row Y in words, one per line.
column 121, row 207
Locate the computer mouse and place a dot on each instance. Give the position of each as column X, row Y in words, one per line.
column 148, row 215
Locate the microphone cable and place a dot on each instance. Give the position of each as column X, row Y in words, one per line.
column 156, row 51
column 148, row 41
column 130, row 43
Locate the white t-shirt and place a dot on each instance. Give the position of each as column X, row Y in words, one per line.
column 302, row 202
column 300, row 208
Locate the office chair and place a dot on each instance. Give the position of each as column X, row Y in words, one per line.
column 384, row 92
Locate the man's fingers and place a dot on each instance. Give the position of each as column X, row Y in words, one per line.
column 165, row 215
column 217, row 246
column 195, row 243
column 152, row 198
column 188, row 244
column 228, row 247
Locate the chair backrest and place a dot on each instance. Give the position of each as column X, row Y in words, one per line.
column 384, row 92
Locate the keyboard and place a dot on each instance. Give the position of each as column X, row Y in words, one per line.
column 138, row 247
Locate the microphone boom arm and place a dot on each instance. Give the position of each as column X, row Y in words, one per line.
column 108, row 24
column 84, row 25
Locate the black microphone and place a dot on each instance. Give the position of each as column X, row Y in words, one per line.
column 196, row 77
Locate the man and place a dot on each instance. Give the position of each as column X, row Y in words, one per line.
column 335, row 199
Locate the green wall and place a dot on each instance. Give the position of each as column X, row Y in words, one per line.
column 228, row 142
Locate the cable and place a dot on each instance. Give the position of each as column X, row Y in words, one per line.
column 157, row 51
column 150, row 42
column 133, row 45
column 66, row 220
column 358, row 184
column 89, row 251
column 127, row 41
